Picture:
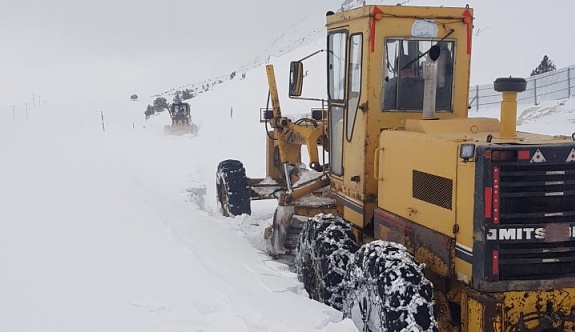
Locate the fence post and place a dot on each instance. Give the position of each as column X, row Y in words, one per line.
column 535, row 90
column 477, row 98
column 568, row 82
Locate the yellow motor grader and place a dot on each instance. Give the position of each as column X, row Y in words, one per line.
column 422, row 219
column 181, row 120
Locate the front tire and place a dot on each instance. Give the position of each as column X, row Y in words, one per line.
column 387, row 291
column 233, row 191
column 325, row 248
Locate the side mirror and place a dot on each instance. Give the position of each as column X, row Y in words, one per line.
column 295, row 78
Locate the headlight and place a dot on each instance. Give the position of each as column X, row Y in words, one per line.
column 466, row 151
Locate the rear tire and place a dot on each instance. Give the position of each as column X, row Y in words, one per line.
column 325, row 248
column 387, row 291
column 232, row 189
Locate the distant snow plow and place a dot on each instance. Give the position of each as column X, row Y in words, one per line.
column 181, row 120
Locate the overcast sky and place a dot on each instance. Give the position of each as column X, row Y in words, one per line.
column 126, row 46
column 83, row 50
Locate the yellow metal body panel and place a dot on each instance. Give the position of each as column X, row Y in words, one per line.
column 464, row 207
column 455, row 126
column 463, row 270
column 404, row 152
column 472, row 320
column 536, row 303
column 354, row 217
column 500, row 312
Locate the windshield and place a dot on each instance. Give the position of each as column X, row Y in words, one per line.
column 180, row 108
column 403, row 78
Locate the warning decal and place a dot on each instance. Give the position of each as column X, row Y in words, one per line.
column 571, row 157
column 538, row 157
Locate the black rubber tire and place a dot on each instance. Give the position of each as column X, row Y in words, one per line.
column 325, row 248
column 232, row 189
column 386, row 290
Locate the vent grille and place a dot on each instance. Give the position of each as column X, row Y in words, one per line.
column 534, row 194
column 525, row 261
column 433, row 189
column 533, row 197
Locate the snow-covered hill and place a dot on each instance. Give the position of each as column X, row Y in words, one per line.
column 306, row 31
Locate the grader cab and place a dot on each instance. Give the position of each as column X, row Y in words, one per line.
column 422, row 219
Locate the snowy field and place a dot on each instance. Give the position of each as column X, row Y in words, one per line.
column 109, row 230
column 112, row 226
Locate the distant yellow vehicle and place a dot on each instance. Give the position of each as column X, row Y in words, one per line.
column 422, row 219
column 181, row 120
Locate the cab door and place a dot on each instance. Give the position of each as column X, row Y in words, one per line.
column 337, row 77
column 347, row 124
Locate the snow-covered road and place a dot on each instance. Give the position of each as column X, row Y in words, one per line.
column 99, row 232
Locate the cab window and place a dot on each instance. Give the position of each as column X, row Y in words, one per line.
column 403, row 79
column 336, row 65
column 337, row 77
column 354, row 86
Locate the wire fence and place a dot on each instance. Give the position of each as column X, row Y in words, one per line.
column 557, row 84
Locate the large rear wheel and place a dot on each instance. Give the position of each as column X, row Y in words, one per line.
column 325, row 248
column 233, row 191
column 387, row 291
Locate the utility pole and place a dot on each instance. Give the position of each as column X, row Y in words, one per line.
column 33, row 100
column 26, row 110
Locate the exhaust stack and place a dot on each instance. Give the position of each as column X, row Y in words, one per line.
column 509, row 87
column 430, row 87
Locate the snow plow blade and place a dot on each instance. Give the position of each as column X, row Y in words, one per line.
column 181, row 130
column 283, row 235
